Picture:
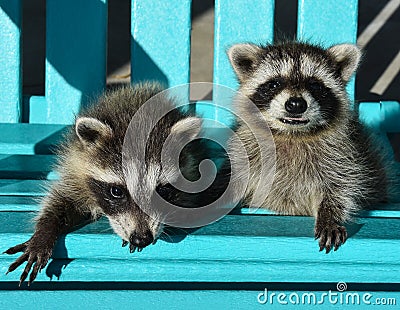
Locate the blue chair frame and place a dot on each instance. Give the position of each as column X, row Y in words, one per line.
column 226, row 264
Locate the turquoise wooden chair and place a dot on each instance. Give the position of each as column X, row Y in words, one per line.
column 229, row 263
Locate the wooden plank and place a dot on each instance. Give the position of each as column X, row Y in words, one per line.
column 328, row 22
column 390, row 116
column 26, row 166
column 129, row 299
column 257, row 256
column 76, row 33
column 239, row 22
column 10, row 61
column 269, row 248
column 179, row 299
column 385, row 210
column 235, row 22
column 19, row 203
column 231, row 225
column 30, row 138
column 382, row 117
column 22, row 187
column 20, row 195
column 370, row 114
column 160, row 48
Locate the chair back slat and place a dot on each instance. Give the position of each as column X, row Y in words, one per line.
column 235, row 22
column 160, row 46
column 76, row 33
column 10, row 61
column 328, row 22
column 238, row 22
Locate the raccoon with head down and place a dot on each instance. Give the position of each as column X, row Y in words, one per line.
column 92, row 182
column 326, row 163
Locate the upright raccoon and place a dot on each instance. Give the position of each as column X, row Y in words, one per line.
column 92, row 179
column 326, row 164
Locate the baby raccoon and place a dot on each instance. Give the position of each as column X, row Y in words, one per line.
column 92, row 180
column 326, row 164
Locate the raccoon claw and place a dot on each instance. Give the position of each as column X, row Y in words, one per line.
column 331, row 236
column 15, row 249
column 133, row 248
column 124, row 243
column 35, row 255
column 18, row 262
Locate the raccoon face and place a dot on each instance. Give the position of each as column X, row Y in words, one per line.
column 300, row 88
column 125, row 216
column 118, row 190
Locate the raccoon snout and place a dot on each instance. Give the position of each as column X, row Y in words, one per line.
column 141, row 239
column 296, row 105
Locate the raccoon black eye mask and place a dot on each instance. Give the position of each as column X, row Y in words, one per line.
column 92, row 182
column 326, row 164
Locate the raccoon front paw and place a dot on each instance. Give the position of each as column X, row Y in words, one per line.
column 331, row 234
column 35, row 252
column 132, row 248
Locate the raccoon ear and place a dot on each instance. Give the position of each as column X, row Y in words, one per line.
column 244, row 59
column 89, row 130
column 348, row 57
column 188, row 127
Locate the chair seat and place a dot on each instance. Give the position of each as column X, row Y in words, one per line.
column 238, row 248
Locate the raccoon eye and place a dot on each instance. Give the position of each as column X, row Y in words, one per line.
column 273, row 84
column 117, row 192
column 315, row 85
column 163, row 190
column 270, row 86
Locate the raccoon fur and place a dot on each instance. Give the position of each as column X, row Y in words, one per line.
column 92, row 181
column 326, row 163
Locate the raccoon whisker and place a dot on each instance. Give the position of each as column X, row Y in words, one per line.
column 180, row 229
column 106, row 230
column 165, row 216
column 167, row 235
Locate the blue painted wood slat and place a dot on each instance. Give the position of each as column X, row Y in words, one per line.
column 255, row 248
column 19, row 203
column 21, row 188
column 235, row 22
column 75, row 59
column 327, row 23
column 239, row 22
column 26, row 166
column 160, row 47
column 183, row 299
column 10, row 61
column 30, row 138
column 234, row 249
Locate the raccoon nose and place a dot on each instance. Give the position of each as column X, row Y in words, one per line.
column 296, row 105
column 141, row 239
